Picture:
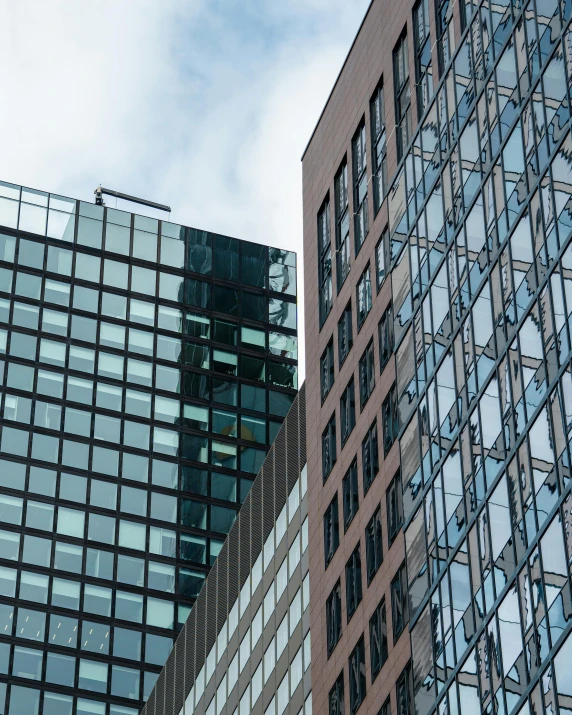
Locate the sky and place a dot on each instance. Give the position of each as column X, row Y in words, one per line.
column 204, row 105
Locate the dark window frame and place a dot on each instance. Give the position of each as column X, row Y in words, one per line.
column 354, row 589
column 394, row 508
column 343, row 252
column 378, row 644
column 336, row 705
column 402, row 94
column 329, row 454
column 399, row 603
column 360, row 186
column 390, row 419
column 325, row 261
column 422, row 56
column 347, row 411
column 366, row 374
column 345, row 334
column 331, row 530
column 378, row 147
column 369, row 457
column 364, row 296
column 373, row 545
column 350, row 494
column 334, row 618
column 327, row 370
column 386, row 337
column 356, row 671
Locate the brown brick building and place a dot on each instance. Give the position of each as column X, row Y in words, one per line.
column 370, row 69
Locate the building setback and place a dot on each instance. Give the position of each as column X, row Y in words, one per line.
column 437, row 190
column 146, row 369
column 245, row 647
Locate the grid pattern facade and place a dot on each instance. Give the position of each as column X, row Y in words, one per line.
column 146, row 368
column 246, row 645
column 482, row 295
column 466, row 607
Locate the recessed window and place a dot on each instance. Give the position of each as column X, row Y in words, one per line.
column 345, row 335
column 327, row 370
column 378, row 639
column 331, row 530
column 350, row 494
column 361, row 217
column 402, row 92
column 394, row 508
column 329, row 447
column 325, row 261
column 336, row 697
column 399, row 603
column 353, row 582
column 390, row 420
column 373, row 545
column 386, row 337
column 366, row 375
column 334, row 617
column 423, row 65
column 363, row 292
column 342, row 225
column 369, row 457
column 356, row 665
column 347, row 411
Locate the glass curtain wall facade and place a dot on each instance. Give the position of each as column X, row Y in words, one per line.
column 480, row 229
column 146, row 368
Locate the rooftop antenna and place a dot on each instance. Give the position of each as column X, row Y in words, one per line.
column 144, row 202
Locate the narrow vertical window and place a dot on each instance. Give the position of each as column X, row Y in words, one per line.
column 402, row 95
column 350, row 494
column 347, row 411
column 325, row 261
column 363, row 291
column 345, row 335
column 379, row 148
column 331, row 530
column 334, row 617
column 381, row 259
column 361, row 219
column 342, row 225
column 373, row 545
column 385, row 337
column 353, row 582
column 327, row 370
column 394, row 508
column 329, row 447
column 369, row 457
column 445, row 39
column 336, row 697
column 390, row 420
column 404, row 692
column 356, row 664
column 378, row 639
column 423, row 68
column 366, row 375
column 399, row 604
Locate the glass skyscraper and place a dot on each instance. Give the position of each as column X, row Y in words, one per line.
column 146, row 367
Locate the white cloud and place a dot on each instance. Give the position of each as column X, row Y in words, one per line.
column 204, row 106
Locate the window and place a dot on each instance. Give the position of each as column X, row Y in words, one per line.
column 353, row 582
column 379, row 147
column 325, row 261
column 399, row 604
column 350, row 494
column 402, row 95
column 394, row 508
column 366, row 375
column 347, row 411
column 443, row 19
column 373, row 545
column 390, row 420
column 378, row 639
column 342, row 225
column 334, row 617
column 357, row 675
column 369, row 457
column 345, row 336
column 385, row 337
column 331, row 530
column 327, row 370
column 363, row 296
column 336, row 697
column 329, row 447
column 423, row 68
column 404, row 692
column 361, row 218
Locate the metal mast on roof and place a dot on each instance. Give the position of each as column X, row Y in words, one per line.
column 99, row 199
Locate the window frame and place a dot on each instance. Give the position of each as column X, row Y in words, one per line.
column 324, row 260
column 354, row 587
column 359, row 181
column 332, row 526
column 366, row 374
column 343, row 251
column 373, row 545
column 350, row 494
column 378, row 147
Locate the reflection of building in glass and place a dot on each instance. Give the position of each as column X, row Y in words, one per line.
column 246, row 645
column 146, row 369
column 462, row 442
